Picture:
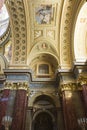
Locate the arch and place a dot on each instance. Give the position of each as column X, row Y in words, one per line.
column 4, row 21
column 43, row 119
column 17, row 15
column 34, row 56
column 42, row 47
column 43, row 58
column 44, row 97
column 3, row 63
column 4, row 24
column 38, row 51
column 38, row 94
column 46, row 111
column 69, row 13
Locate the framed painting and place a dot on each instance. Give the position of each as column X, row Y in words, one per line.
column 45, row 14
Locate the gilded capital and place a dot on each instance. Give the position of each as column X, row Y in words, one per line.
column 9, row 85
column 22, row 85
column 68, row 86
column 82, row 80
column 16, row 85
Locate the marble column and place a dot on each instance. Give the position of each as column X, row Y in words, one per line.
column 83, row 83
column 64, row 110
column 84, row 87
column 84, row 91
column 69, row 112
column 4, row 101
column 18, row 122
column 29, row 119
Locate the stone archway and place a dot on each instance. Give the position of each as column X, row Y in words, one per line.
column 45, row 113
column 43, row 108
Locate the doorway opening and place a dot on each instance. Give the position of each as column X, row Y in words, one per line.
column 43, row 121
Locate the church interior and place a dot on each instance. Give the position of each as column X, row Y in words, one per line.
column 43, row 65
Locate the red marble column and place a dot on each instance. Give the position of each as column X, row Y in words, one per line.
column 25, row 112
column 18, row 122
column 3, row 104
column 69, row 113
column 84, row 90
column 64, row 110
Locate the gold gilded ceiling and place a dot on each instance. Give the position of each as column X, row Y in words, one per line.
column 42, row 27
column 44, row 17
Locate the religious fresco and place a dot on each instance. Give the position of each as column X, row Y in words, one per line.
column 44, row 14
column 4, row 19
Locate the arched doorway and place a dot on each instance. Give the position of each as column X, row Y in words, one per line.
column 43, row 114
column 43, row 121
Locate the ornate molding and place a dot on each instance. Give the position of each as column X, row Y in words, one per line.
column 10, row 85
column 16, row 85
column 33, row 94
column 65, row 34
column 82, row 80
column 69, row 11
column 46, row 92
column 5, row 37
column 70, row 87
column 22, row 85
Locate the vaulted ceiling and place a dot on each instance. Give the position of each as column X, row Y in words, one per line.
column 43, row 30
